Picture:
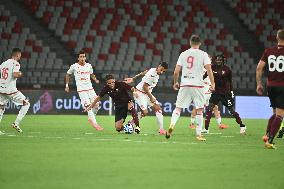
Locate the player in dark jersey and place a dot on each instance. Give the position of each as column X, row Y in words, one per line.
column 223, row 92
column 118, row 91
column 274, row 57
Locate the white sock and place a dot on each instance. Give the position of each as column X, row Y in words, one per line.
column 175, row 117
column 192, row 120
column 92, row 117
column 1, row 113
column 23, row 111
column 160, row 119
column 219, row 119
column 199, row 125
column 139, row 114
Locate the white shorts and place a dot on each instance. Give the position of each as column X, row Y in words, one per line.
column 17, row 98
column 188, row 95
column 87, row 97
column 143, row 100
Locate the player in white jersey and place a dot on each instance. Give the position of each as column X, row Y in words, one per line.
column 83, row 73
column 143, row 95
column 10, row 71
column 192, row 62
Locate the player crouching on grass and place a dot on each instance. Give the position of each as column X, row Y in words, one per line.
column 118, row 91
column 10, row 72
column 144, row 97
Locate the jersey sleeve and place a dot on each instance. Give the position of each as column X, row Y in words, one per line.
column 148, row 78
column 71, row 70
column 91, row 69
column 179, row 62
column 206, row 59
column 264, row 56
column 16, row 67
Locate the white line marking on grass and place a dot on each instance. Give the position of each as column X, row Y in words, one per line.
column 228, row 136
column 30, row 136
column 89, row 133
column 215, row 133
column 59, row 137
column 76, row 138
column 35, row 132
column 11, row 135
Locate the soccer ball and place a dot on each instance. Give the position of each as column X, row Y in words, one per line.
column 128, row 128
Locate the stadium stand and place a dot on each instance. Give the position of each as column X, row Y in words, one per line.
column 38, row 62
column 127, row 36
column 263, row 17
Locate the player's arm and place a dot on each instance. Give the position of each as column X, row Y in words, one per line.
column 258, row 77
column 97, row 99
column 67, row 80
column 94, row 78
column 149, row 94
column 17, row 74
column 210, row 75
column 176, row 76
column 132, row 79
column 231, row 84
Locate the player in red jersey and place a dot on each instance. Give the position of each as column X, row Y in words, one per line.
column 274, row 59
column 223, row 92
column 118, row 91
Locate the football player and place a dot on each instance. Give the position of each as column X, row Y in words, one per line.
column 223, row 92
column 274, row 57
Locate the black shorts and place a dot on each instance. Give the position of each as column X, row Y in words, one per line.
column 276, row 97
column 121, row 111
column 226, row 99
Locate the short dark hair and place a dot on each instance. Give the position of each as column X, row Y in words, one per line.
column 15, row 51
column 280, row 34
column 164, row 65
column 195, row 40
column 81, row 52
column 109, row 76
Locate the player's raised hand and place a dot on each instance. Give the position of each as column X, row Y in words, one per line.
column 176, row 86
column 97, row 81
column 128, row 80
column 67, row 89
column 259, row 89
column 212, row 87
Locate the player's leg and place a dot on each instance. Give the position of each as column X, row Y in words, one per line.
column 141, row 100
column 275, row 125
column 20, row 99
column 199, row 101
column 229, row 102
column 85, row 101
column 120, row 116
column 134, row 115
column 218, row 118
column 192, row 118
column 276, row 96
column 92, row 95
column 214, row 100
column 3, row 102
column 281, row 131
column 159, row 118
column 183, row 101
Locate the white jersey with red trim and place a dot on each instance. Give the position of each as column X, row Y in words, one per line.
column 151, row 78
column 192, row 62
column 7, row 80
column 82, row 75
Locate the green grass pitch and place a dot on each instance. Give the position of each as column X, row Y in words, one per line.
column 59, row 151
